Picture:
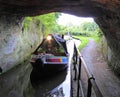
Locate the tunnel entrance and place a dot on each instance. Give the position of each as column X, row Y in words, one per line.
column 19, row 45
column 61, row 23
column 84, row 27
column 38, row 79
column 105, row 13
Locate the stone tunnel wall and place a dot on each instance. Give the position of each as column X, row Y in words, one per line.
column 16, row 45
column 107, row 13
column 110, row 25
column 14, row 82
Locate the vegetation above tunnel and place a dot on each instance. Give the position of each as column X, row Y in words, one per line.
column 50, row 25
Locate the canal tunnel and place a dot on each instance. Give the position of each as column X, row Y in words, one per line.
column 16, row 46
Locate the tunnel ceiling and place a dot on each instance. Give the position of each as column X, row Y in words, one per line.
column 106, row 14
column 77, row 7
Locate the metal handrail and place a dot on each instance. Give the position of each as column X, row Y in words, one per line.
column 78, row 59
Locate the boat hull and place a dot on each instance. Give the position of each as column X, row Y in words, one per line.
column 49, row 68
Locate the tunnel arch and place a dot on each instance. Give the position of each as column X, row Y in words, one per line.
column 105, row 13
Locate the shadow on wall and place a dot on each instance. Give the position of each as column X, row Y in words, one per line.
column 0, row 70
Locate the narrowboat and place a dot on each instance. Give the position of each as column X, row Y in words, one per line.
column 51, row 55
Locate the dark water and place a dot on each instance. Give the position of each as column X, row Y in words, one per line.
column 57, row 84
column 54, row 85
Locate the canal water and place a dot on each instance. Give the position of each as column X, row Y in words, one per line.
column 58, row 84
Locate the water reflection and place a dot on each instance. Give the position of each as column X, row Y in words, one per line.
column 57, row 92
column 50, row 86
column 57, row 85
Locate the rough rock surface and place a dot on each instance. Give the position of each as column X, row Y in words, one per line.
column 111, row 29
column 14, row 82
column 15, row 45
column 77, row 7
column 105, row 12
